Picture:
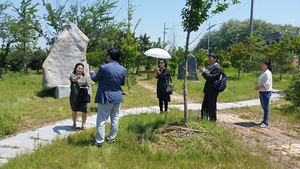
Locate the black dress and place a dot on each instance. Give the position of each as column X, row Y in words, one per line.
column 162, row 80
column 76, row 105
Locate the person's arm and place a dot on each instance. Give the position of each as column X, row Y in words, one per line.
column 266, row 82
column 74, row 78
column 97, row 76
column 157, row 72
column 213, row 75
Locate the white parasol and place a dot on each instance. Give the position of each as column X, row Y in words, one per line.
column 158, row 53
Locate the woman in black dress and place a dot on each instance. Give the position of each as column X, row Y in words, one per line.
column 163, row 76
column 78, row 80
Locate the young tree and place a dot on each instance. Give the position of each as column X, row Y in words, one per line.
column 144, row 44
column 239, row 54
column 281, row 53
column 24, row 30
column 193, row 15
column 129, row 46
column 5, row 35
column 95, row 20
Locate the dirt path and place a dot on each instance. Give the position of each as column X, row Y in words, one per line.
column 176, row 97
column 280, row 141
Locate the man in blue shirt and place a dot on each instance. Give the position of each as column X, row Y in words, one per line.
column 111, row 77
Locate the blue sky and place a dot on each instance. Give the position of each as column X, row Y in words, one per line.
column 154, row 13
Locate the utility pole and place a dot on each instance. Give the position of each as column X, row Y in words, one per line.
column 208, row 38
column 165, row 34
column 251, row 17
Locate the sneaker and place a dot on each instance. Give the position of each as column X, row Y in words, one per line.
column 263, row 125
column 98, row 144
column 110, row 140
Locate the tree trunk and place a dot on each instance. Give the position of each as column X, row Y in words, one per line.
column 185, row 77
column 280, row 77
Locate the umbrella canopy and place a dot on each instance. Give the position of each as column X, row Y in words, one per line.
column 158, row 53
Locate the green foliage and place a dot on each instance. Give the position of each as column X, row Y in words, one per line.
column 96, row 58
column 251, row 65
column 239, row 54
column 24, row 29
column 293, row 91
column 93, row 19
column 234, row 31
column 8, row 124
column 226, row 64
column 15, row 60
column 37, row 59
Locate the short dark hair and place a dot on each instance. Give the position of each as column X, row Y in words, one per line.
column 214, row 55
column 114, row 53
column 268, row 63
column 166, row 65
column 78, row 64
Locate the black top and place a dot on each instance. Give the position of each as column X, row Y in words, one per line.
column 210, row 76
column 162, row 79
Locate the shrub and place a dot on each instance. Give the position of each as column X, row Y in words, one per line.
column 251, row 66
column 293, row 91
column 226, row 64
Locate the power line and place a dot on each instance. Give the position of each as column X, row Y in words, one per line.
column 218, row 21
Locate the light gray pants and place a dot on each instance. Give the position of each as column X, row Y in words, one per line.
column 106, row 111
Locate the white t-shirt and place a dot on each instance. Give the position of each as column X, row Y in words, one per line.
column 265, row 79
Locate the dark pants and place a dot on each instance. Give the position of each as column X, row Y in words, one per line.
column 209, row 107
column 161, row 103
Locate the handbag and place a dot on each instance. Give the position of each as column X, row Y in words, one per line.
column 84, row 96
column 170, row 87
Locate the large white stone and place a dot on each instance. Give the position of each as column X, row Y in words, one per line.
column 69, row 49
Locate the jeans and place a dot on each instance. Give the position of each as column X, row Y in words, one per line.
column 103, row 113
column 264, row 101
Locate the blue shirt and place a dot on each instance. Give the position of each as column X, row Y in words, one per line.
column 111, row 77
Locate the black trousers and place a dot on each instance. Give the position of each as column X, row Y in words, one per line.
column 209, row 107
column 161, row 103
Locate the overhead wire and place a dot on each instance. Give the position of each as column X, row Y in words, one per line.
column 218, row 21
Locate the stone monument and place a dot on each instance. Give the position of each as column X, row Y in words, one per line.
column 69, row 49
column 192, row 69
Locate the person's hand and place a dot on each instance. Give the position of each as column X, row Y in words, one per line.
column 156, row 69
column 201, row 68
column 256, row 87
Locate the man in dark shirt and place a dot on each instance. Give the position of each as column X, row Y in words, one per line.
column 209, row 103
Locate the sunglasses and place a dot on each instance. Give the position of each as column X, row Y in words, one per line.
column 161, row 62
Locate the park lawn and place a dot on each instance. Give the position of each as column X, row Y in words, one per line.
column 148, row 141
column 25, row 105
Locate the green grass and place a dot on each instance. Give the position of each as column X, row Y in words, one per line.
column 142, row 142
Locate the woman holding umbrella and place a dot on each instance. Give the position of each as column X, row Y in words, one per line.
column 163, row 77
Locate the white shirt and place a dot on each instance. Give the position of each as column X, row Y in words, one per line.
column 265, row 79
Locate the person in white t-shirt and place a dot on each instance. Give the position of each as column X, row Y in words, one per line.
column 264, row 86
